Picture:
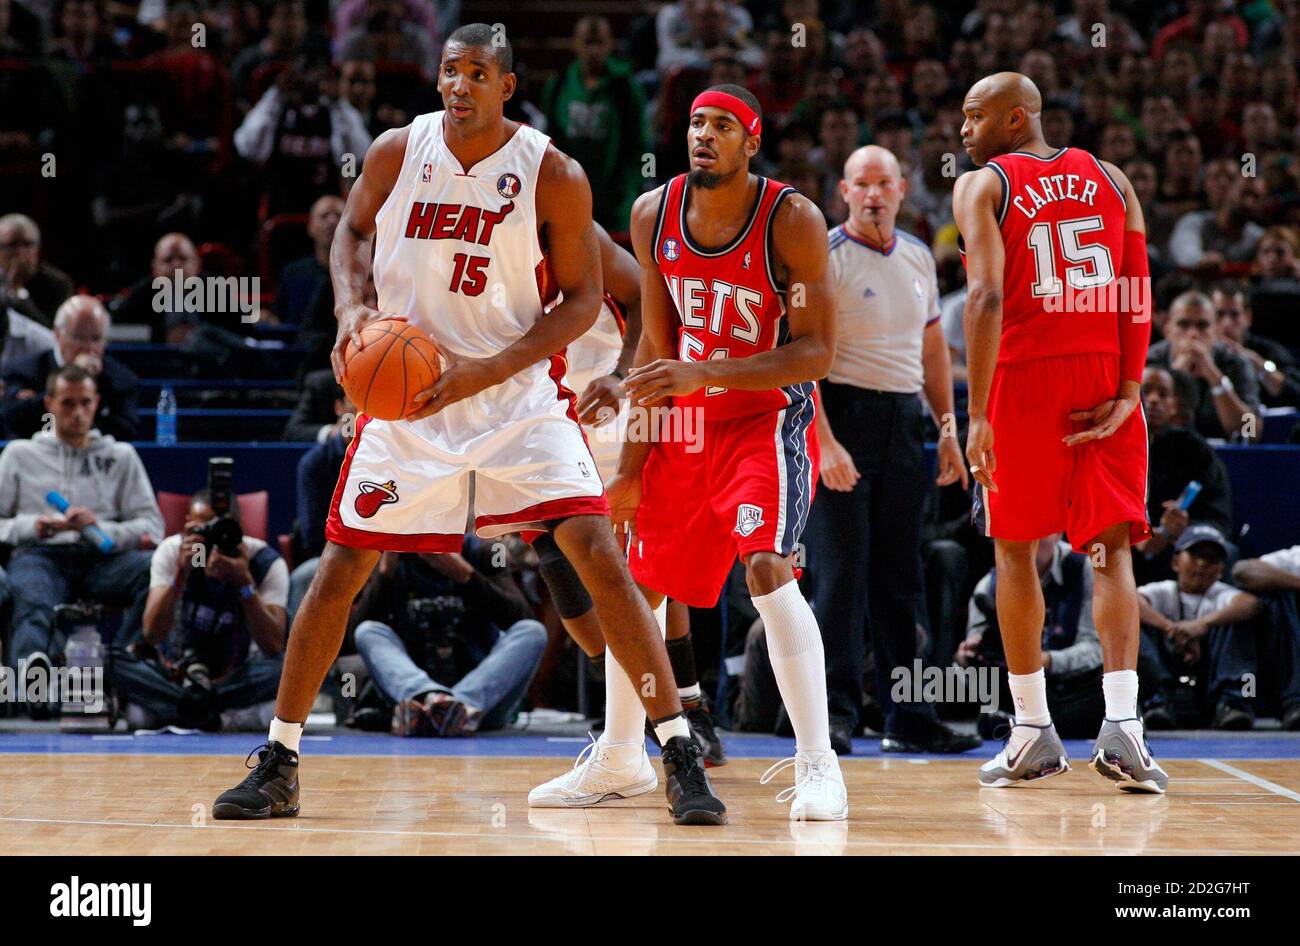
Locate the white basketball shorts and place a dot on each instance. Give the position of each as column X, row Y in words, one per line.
column 405, row 485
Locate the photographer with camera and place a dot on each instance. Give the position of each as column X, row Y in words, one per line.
column 76, row 504
column 431, row 635
column 1071, row 647
column 214, row 624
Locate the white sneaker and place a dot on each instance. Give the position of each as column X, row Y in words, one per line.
column 596, row 777
column 818, row 792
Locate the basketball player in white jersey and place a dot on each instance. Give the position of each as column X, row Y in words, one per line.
column 460, row 209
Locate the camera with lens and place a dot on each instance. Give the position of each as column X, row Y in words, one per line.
column 223, row 531
column 435, row 626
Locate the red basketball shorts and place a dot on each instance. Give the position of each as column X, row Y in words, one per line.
column 1045, row 486
column 745, row 487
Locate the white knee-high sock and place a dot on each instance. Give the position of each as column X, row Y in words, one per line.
column 794, row 644
column 624, row 714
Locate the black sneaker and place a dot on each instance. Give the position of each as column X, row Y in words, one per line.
column 1291, row 718
column 690, row 796
column 1158, row 717
column 936, row 738
column 1233, row 718
column 841, row 736
column 270, row 791
column 700, row 718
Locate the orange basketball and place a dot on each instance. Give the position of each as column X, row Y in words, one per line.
column 396, row 362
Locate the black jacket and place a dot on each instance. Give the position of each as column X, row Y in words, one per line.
column 118, row 394
column 315, row 407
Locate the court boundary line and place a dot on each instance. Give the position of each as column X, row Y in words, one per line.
column 1252, row 779
column 712, row 840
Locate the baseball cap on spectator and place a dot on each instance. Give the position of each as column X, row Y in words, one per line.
column 1199, row 533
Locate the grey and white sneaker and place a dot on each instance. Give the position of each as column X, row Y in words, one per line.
column 1030, row 753
column 603, row 771
column 1122, row 755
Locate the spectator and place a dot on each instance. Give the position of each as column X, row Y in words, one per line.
column 56, row 559
column 1275, row 293
column 1275, row 578
column 214, row 632
column 1229, row 401
column 1180, row 182
column 1176, row 457
column 385, row 37
column 302, row 279
column 357, row 86
column 691, row 33
column 1191, row 28
column 81, row 37
column 595, row 113
column 27, row 282
column 1160, row 219
column 316, row 415
column 318, row 475
column 1190, row 628
column 1211, row 239
column 1274, row 365
column 300, row 135
column 254, row 68
column 1071, row 646
column 434, row 18
column 431, row 635
column 81, row 335
column 174, row 259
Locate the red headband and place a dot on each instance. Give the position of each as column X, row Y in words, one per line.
column 748, row 117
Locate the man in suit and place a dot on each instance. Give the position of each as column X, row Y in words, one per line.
column 318, row 413
column 81, row 336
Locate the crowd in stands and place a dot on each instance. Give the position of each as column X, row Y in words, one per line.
column 171, row 140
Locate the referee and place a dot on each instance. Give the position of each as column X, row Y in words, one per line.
column 864, row 532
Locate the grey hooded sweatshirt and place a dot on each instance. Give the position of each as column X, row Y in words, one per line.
column 104, row 476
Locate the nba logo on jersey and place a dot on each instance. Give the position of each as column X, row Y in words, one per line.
column 745, row 264
column 748, row 518
column 582, row 468
column 672, row 249
column 426, row 173
column 508, row 185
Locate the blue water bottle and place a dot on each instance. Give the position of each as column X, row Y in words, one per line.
column 165, row 419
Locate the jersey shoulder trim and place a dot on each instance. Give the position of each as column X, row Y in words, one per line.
column 1106, row 174
column 655, row 238
column 768, row 252
column 1005, row 182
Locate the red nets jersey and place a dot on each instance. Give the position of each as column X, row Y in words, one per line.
column 1062, row 222
column 729, row 303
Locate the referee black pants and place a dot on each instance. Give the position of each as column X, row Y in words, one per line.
column 864, row 551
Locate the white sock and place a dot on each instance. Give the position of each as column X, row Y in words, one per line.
column 624, row 714
column 794, row 644
column 1029, row 694
column 669, row 728
column 286, row 734
column 690, row 693
column 1121, row 690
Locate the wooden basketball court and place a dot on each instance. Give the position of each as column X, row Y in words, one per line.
column 471, row 804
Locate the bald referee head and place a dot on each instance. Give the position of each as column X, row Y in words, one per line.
column 873, row 188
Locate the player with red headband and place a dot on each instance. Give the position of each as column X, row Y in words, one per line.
column 737, row 323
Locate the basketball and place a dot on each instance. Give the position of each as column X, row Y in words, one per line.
column 396, row 362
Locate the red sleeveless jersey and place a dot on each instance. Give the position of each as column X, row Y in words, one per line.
column 728, row 300
column 1062, row 221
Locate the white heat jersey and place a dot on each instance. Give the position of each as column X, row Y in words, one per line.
column 456, row 252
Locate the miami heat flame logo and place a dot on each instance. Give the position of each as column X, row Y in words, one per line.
column 374, row 495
